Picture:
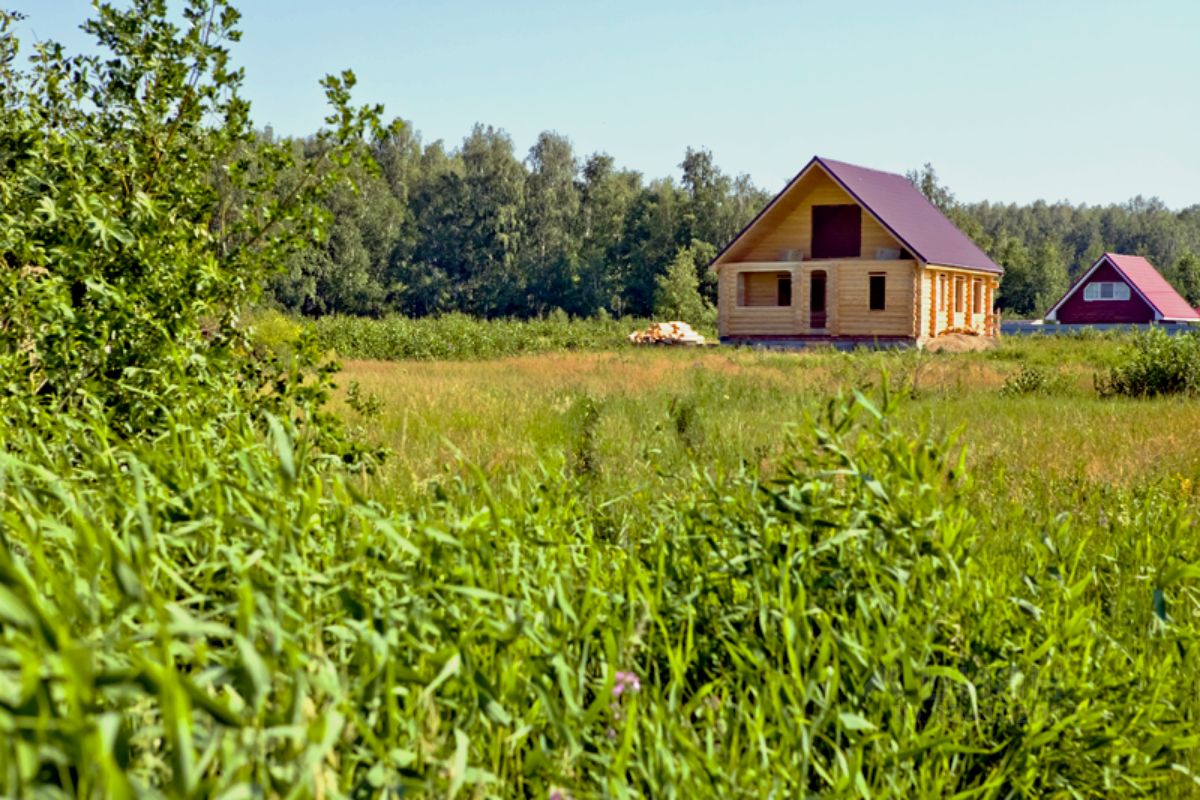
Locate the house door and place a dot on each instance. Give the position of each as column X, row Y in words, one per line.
column 816, row 299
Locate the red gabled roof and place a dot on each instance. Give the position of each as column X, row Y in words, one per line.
column 1145, row 280
column 901, row 208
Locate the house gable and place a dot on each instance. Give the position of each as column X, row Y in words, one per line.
column 1075, row 307
column 1151, row 296
column 787, row 223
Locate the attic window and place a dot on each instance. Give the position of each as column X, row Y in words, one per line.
column 836, row 231
column 1106, row 290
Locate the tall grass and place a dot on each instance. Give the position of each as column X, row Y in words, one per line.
column 448, row 337
column 219, row 614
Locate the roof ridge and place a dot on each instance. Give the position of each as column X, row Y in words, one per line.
column 825, row 160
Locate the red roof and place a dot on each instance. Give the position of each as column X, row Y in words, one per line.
column 1146, row 281
column 910, row 217
column 902, row 209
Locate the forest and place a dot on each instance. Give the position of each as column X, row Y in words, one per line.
column 480, row 230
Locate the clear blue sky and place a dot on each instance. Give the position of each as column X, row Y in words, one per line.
column 1012, row 100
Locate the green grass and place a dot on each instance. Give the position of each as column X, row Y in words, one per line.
column 816, row 596
column 449, row 337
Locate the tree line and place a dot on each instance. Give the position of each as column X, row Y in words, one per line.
column 481, row 230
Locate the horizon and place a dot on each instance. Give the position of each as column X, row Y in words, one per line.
column 1028, row 115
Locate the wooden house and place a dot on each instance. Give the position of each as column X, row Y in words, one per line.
column 1120, row 289
column 846, row 253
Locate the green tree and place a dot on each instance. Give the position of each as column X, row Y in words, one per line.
column 348, row 273
column 648, row 246
column 490, row 224
column 431, row 279
column 606, row 196
column 124, row 265
column 677, row 291
column 1018, row 294
column 926, row 180
column 1048, row 279
column 1185, row 276
column 705, row 193
column 550, row 248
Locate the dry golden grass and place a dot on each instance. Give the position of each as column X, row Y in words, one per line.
column 658, row 411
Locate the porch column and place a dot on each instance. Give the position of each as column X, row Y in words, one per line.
column 969, row 289
column 799, row 311
column 947, row 292
column 933, row 303
column 993, row 285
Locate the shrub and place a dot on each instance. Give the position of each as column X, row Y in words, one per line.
column 275, row 331
column 1031, row 379
column 1155, row 363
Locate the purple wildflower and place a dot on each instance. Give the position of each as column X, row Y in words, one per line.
column 626, row 682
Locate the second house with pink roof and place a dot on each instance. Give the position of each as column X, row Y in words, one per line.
column 1117, row 290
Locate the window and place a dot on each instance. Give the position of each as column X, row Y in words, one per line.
column 1106, row 290
column 978, row 299
column 784, row 288
column 878, row 288
column 958, row 293
column 764, row 289
column 836, row 231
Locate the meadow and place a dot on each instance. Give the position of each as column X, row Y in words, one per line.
column 1078, row 506
column 635, row 418
column 620, row 572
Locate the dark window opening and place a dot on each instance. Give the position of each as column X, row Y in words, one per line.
column 958, row 294
column 817, row 295
column 836, row 231
column 878, row 292
column 785, row 290
column 816, row 299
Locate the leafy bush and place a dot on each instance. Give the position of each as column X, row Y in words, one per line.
column 1031, row 379
column 138, row 212
column 1155, row 363
column 276, row 332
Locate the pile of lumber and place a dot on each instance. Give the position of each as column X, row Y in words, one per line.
column 667, row 333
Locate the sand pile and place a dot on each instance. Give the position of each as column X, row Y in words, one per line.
column 959, row 343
